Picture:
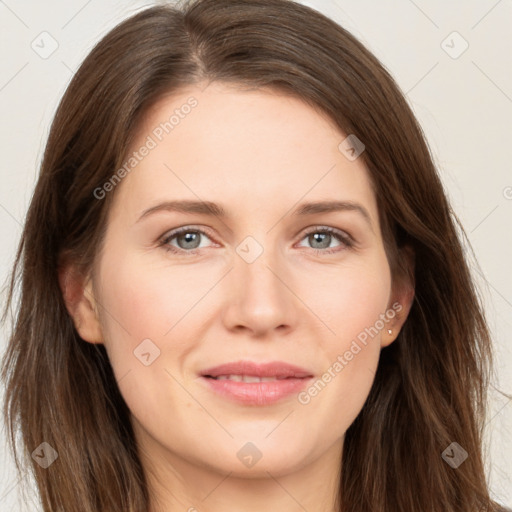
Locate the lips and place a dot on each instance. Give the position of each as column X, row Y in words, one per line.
column 254, row 384
column 274, row 369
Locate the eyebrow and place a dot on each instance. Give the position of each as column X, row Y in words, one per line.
column 215, row 210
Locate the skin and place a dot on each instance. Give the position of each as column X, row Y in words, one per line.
column 259, row 154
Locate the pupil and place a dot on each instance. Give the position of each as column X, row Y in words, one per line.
column 321, row 237
column 190, row 238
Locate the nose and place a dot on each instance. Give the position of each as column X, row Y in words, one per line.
column 260, row 296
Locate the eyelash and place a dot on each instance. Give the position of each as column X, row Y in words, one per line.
column 344, row 238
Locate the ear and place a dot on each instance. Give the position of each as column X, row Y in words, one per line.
column 78, row 296
column 402, row 297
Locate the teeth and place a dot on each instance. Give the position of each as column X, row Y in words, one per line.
column 246, row 378
column 251, row 378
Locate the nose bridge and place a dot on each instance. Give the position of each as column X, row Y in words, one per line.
column 257, row 264
column 261, row 300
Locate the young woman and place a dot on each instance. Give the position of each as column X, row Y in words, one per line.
column 241, row 283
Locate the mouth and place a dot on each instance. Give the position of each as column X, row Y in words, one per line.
column 249, row 378
column 249, row 369
column 256, row 384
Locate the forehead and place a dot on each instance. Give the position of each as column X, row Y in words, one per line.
column 253, row 149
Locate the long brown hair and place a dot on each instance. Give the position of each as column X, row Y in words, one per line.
column 431, row 383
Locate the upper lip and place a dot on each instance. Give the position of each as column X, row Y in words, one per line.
column 278, row 369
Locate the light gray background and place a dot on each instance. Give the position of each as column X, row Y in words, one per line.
column 464, row 105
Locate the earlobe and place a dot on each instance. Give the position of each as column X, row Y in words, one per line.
column 401, row 306
column 79, row 299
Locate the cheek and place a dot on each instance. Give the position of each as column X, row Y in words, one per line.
column 148, row 300
column 152, row 300
column 349, row 298
column 146, row 322
column 353, row 301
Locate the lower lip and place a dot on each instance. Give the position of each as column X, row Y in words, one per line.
column 257, row 393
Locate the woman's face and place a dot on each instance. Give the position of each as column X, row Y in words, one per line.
column 269, row 280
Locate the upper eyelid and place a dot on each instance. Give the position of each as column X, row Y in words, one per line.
column 184, row 229
column 329, row 229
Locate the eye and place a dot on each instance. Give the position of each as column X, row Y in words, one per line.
column 320, row 239
column 187, row 239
